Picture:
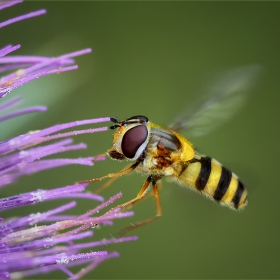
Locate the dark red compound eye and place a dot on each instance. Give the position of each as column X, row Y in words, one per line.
column 133, row 139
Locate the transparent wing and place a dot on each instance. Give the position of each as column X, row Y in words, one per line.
column 226, row 95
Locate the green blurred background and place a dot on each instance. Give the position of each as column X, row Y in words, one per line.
column 153, row 58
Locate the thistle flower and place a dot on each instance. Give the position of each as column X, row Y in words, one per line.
column 42, row 242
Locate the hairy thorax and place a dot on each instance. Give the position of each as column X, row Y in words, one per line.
column 163, row 154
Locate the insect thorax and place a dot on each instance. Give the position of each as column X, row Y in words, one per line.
column 162, row 151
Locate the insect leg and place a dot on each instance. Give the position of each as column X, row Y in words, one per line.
column 140, row 197
column 151, row 192
column 111, row 175
column 109, row 183
column 100, row 155
column 157, row 200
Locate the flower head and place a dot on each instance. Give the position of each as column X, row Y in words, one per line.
column 41, row 242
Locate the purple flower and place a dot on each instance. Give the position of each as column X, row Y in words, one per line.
column 42, row 242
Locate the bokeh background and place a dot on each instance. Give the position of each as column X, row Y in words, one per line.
column 154, row 58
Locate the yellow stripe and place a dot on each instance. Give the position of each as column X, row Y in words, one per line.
column 190, row 174
column 243, row 197
column 216, row 170
column 230, row 191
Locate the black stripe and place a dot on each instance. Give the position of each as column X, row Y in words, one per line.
column 223, row 184
column 238, row 194
column 184, row 167
column 204, row 173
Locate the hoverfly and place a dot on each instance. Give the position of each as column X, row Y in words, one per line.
column 159, row 151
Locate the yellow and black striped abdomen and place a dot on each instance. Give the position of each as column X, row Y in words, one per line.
column 215, row 181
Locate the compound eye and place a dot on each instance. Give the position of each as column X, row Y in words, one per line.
column 133, row 139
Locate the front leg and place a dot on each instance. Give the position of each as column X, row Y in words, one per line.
column 111, row 175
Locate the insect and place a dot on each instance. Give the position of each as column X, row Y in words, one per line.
column 159, row 151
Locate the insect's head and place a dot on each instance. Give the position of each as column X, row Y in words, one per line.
column 131, row 137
